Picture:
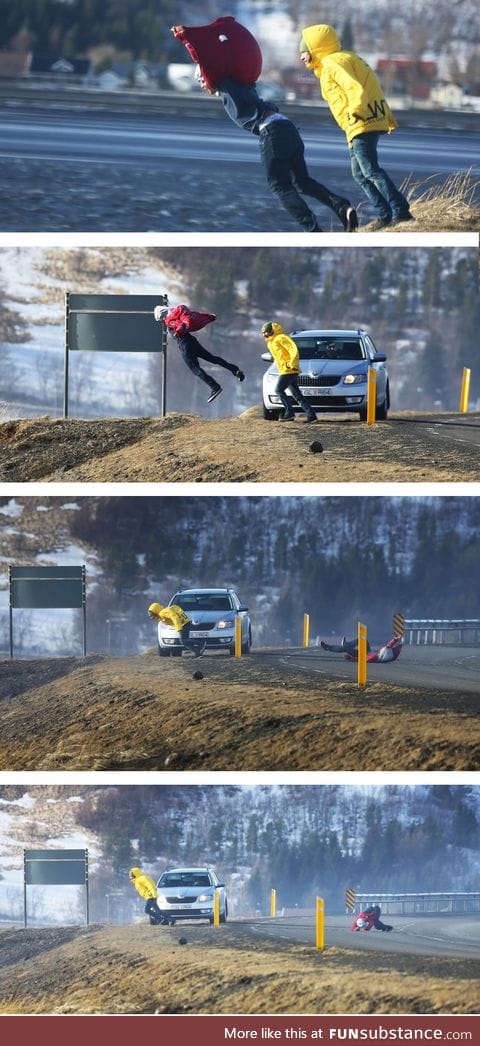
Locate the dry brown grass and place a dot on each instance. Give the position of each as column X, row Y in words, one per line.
column 183, row 448
column 449, row 207
column 252, row 715
column 138, row 969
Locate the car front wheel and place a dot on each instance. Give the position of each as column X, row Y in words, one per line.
column 270, row 415
column 246, row 646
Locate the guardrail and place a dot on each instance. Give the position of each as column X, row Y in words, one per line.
column 438, row 631
column 15, row 92
column 444, row 903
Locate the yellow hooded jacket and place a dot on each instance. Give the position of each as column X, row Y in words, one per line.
column 174, row 616
column 143, row 884
column 283, row 350
column 348, row 84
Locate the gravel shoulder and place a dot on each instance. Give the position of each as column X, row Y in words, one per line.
column 185, row 448
column 140, row 969
column 253, row 713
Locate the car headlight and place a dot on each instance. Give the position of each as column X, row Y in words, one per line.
column 354, row 379
column 204, row 897
column 224, row 624
column 270, row 378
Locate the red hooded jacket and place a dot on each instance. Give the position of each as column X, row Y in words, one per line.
column 389, row 652
column 182, row 320
column 223, row 48
column 369, row 919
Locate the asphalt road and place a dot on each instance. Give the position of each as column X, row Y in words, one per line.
column 455, row 936
column 93, row 171
column 433, row 667
column 449, row 428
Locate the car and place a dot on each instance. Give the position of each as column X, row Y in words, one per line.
column 333, row 374
column 212, row 612
column 187, row 893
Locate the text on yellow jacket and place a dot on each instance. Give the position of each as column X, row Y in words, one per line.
column 142, row 882
column 283, row 350
column 348, row 84
column 174, row 615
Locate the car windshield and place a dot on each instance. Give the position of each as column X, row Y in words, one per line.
column 185, row 879
column 203, row 601
column 311, row 348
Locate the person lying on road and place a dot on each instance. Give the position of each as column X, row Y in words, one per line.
column 349, row 648
column 368, row 918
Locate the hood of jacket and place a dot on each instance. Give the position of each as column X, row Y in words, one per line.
column 277, row 329
column 319, row 41
column 134, row 872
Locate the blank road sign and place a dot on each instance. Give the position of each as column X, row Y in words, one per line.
column 114, row 323
column 35, row 588
column 49, row 594
column 55, row 867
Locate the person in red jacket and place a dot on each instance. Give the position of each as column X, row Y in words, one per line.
column 370, row 917
column 349, row 647
column 229, row 63
column 180, row 322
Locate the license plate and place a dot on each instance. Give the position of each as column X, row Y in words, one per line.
column 199, row 635
column 316, row 392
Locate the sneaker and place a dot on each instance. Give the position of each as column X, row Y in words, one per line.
column 399, row 218
column 240, row 375
column 215, row 393
column 311, row 417
column 286, row 417
column 199, row 650
column 381, row 223
column 349, row 219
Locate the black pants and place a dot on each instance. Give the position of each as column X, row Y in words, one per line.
column 152, row 909
column 378, row 925
column 290, row 381
column 282, row 153
column 192, row 351
column 190, row 644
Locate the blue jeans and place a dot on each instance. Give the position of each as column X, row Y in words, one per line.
column 290, row 381
column 387, row 201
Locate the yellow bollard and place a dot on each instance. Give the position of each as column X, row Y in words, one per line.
column 320, row 924
column 371, row 396
column 362, row 654
column 306, row 629
column 216, row 908
column 273, row 903
column 465, row 390
column 238, row 636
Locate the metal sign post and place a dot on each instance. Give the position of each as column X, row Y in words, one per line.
column 47, row 588
column 55, row 868
column 114, row 323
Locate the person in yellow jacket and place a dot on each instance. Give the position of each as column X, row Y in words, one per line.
column 356, row 100
column 145, row 886
column 285, row 354
column 177, row 618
